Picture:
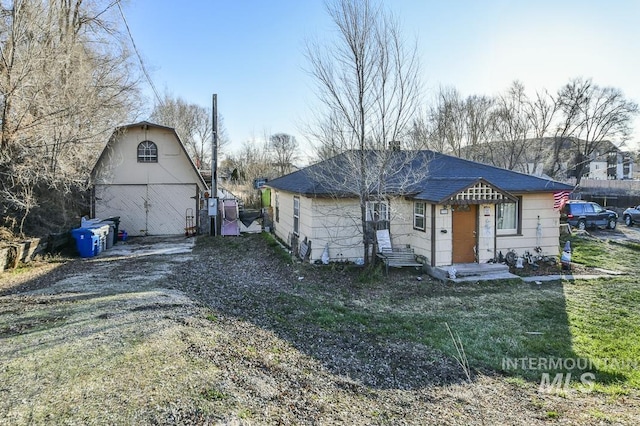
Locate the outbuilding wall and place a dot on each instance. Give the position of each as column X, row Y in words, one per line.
column 119, row 164
column 155, row 198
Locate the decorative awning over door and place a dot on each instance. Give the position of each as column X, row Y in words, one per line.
column 480, row 192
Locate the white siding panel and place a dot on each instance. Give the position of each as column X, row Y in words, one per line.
column 147, row 209
column 126, row 201
column 401, row 221
column 284, row 225
column 168, row 207
column 443, row 232
column 421, row 240
column 337, row 222
column 536, row 208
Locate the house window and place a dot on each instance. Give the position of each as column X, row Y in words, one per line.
column 277, row 208
column 508, row 218
column 296, row 215
column 147, row 152
column 418, row 216
column 377, row 211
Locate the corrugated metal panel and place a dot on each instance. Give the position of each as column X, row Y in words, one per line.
column 147, row 209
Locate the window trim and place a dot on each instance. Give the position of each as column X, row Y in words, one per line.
column 371, row 209
column 296, row 215
column 511, row 231
column 417, row 216
column 148, row 153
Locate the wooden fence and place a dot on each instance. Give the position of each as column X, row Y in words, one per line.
column 609, row 193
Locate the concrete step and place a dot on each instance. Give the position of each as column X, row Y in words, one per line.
column 473, row 272
column 487, row 277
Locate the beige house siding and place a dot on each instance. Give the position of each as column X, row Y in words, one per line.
column 535, row 207
column 401, row 227
column 486, row 232
column 150, row 198
column 119, row 163
column 283, row 222
column 306, row 219
column 421, row 240
column 443, row 235
column 336, row 222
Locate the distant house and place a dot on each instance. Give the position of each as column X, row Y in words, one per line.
column 453, row 211
column 145, row 176
column 538, row 157
column 610, row 164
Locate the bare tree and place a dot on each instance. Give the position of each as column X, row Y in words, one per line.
column 478, row 119
column 542, row 113
column 193, row 124
column 449, row 120
column 593, row 115
column 454, row 125
column 66, row 80
column 511, row 127
column 367, row 81
column 285, row 149
column 443, row 125
column 251, row 161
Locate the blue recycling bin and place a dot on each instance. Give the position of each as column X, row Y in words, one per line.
column 102, row 231
column 87, row 241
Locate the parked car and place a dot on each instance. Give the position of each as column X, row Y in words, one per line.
column 631, row 215
column 586, row 214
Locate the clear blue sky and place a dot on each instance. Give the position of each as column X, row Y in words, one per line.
column 251, row 52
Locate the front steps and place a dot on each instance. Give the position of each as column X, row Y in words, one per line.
column 465, row 272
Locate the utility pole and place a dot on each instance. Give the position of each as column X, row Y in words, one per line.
column 214, row 146
column 213, row 198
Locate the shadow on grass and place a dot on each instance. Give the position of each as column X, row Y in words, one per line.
column 392, row 333
column 386, row 334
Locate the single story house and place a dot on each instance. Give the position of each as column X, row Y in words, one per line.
column 145, row 176
column 447, row 209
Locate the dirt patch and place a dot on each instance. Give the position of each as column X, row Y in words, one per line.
column 222, row 335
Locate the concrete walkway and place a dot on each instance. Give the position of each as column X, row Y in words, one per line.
column 602, row 273
column 505, row 275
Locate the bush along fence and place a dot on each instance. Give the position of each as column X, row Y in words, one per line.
column 14, row 253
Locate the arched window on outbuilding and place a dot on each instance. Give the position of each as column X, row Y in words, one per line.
column 147, row 152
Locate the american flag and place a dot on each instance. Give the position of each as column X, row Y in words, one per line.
column 560, row 198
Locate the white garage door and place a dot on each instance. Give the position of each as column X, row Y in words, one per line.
column 147, row 209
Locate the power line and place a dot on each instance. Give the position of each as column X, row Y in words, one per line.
column 135, row 48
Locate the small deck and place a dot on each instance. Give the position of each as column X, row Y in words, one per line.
column 473, row 272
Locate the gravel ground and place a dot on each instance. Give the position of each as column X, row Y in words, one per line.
column 246, row 346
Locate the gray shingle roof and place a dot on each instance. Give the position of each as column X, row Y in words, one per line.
column 440, row 176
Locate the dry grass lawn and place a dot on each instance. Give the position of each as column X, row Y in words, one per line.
column 233, row 334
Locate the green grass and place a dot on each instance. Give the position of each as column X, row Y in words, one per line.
column 278, row 248
column 595, row 321
column 605, row 324
column 597, row 253
column 213, row 394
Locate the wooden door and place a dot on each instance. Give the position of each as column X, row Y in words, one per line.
column 147, row 209
column 465, row 219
